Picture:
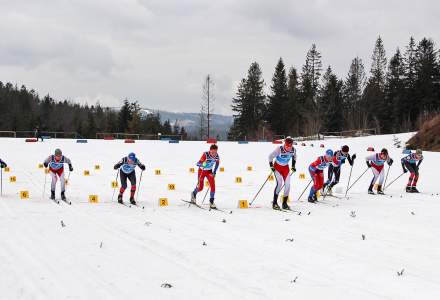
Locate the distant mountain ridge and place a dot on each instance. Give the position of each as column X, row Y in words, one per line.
column 220, row 124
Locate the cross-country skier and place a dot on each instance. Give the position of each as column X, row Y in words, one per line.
column 316, row 170
column 208, row 165
column 334, row 168
column 282, row 156
column 2, row 164
column 411, row 163
column 56, row 169
column 376, row 162
column 127, row 167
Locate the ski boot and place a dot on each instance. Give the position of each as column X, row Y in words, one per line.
column 414, row 190
column 52, row 195
column 285, row 205
column 132, row 200
column 329, row 191
column 275, row 206
column 212, row 204
column 120, row 199
column 311, row 199
column 409, row 189
column 370, row 190
column 193, row 197
column 63, row 196
column 379, row 190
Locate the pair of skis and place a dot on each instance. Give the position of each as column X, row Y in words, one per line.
column 201, row 207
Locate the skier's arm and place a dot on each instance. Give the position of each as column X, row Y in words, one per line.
column 272, row 156
column 47, row 161
column 140, row 165
column 201, row 160
column 217, row 163
column 420, row 161
column 403, row 167
column 293, row 164
column 69, row 162
column 351, row 159
column 119, row 164
column 314, row 164
column 369, row 159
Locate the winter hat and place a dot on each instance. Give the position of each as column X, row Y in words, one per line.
column 58, row 152
column 132, row 156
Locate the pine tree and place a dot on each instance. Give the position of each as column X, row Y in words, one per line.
column 374, row 94
column 311, row 73
column 409, row 105
column 124, row 116
column 249, row 105
column 330, row 102
column 353, row 89
column 294, row 119
column 394, row 92
column 277, row 115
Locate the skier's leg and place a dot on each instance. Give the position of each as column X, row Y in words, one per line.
column 132, row 178
column 53, row 184
column 211, row 180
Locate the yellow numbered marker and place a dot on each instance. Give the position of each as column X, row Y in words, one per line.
column 12, row 179
column 222, row 169
column 40, row 166
column 192, row 170
column 97, row 167
column 24, row 194
column 249, row 168
column 238, row 180
column 86, row 173
column 271, row 178
column 157, row 172
column 206, row 183
column 163, row 201
column 171, row 186
column 7, row 169
column 114, row 184
column 318, row 194
column 302, row 176
column 93, row 198
column 243, row 204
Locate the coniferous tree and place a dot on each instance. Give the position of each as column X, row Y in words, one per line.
column 294, row 117
column 394, row 92
column 408, row 103
column 331, row 102
column 277, row 115
column 352, row 92
column 124, row 116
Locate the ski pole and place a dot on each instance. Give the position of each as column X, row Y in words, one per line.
column 386, row 177
column 116, row 180
column 299, row 198
column 394, row 180
column 1, row 182
column 204, row 197
column 358, row 179
column 45, row 180
column 348, row 183
column 255, row 197
column 139, row 186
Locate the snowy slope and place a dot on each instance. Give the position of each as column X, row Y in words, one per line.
column 108, row 251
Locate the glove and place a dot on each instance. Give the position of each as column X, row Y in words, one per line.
column 70, row 168
column 142, row 167
column 46, row 165
column 271, row 166
column 3, row 165
column 293, row 169
column 353, row 157
column 213, row 174
column 199, row 164
column 368, row 164
column 390, row 162
column 116, row 167
column 405, row 170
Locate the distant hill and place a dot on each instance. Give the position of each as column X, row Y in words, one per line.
column 220, row 124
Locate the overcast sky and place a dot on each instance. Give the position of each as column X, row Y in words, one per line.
column 159, row 51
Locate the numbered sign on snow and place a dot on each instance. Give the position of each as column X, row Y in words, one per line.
column 249, row 168
column 243, row 204
column 114, row 184
column 12, row 179
column 40, row 166
column 97, row 167
column 66, row 181
column 207, row 183
column 192, row 170
column 222, row 169
column 157, row 172
column 171, row 186
column 238, row 180
column 93, row 198
column 7, row 170
column 271, row 178
column 302, row 176
column 24, row 194
column 86, row 173
column 163, row 201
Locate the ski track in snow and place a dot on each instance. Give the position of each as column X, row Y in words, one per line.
column 108, row 251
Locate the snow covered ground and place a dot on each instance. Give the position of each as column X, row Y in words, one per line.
column 108, row 251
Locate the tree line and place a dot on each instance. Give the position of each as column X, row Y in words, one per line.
column 23, row 110
column 396, row 96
